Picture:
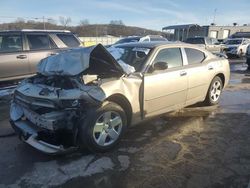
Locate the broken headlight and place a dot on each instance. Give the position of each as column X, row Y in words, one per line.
column 70, row 103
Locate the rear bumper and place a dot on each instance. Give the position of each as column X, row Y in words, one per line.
column 29, row 134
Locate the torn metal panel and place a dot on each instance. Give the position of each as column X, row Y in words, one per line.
column 54, row 94
column 128, row 87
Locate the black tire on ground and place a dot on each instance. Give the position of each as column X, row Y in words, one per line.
column 248, row 63
column 87, row 137
column 210, row 99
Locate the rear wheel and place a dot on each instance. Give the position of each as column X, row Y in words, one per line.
column 102, row 128
column 214, row 92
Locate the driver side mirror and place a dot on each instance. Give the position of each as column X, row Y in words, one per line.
column 161, row 65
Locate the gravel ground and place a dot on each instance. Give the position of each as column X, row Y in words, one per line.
column 195, row 147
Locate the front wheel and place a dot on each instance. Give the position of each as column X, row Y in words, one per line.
column 102, row 128
column 214, row 92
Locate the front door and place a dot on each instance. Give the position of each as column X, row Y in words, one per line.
column 165, row 90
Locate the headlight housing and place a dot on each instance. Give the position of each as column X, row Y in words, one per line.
column 70, row 103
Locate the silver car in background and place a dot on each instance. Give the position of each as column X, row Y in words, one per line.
column 22, row 50
column 89, row 96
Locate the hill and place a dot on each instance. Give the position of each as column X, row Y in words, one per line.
column 89, row 30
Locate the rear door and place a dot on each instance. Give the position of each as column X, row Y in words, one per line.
column 39, row 46
column 198, row 75
column 13, row 60
column 165, row 90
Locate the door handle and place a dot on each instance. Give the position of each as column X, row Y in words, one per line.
column 53, row 54
column 183, row 73
column 210, row 68
column 21, row 56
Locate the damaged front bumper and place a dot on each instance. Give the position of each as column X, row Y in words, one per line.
column 51, row 133
column 29, row 134
column 46, row 111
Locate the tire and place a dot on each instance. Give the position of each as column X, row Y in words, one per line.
column 248, row 63
column 97, row 132
column 214, row 92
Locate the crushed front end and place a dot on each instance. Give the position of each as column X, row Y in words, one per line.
column 46, row 111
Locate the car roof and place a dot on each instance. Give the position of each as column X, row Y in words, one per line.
column 36, row 30
column 197, row 37
column 236, row 38
column 156, row 44
column 146, row 44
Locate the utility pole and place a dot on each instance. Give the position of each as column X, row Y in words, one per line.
column 43, row 23
column 215, row 11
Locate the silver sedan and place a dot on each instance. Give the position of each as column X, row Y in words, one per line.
column 89, row 96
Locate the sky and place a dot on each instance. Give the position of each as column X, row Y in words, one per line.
column 153, row 14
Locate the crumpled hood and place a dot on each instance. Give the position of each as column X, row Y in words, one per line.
column 75, row 61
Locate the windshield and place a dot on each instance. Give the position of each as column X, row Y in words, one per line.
column 130, row 57
column 234, row 41
column 195, row 41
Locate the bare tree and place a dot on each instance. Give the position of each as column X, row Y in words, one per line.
column 64, row 21
column 116, row 22
column 51, row 21
column 19, row 23
column 20, row 20
column 84, row 22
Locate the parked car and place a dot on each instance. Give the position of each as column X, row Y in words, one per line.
column 236, row 47
column 89, row 96
column 148, row 38
column 210, row 44
column 21, row 51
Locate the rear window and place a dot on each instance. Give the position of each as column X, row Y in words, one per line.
column 158, row 39
column 194, row 56
column 127, row 40
column 69, row 40
column 10, row 43
column 195, row 41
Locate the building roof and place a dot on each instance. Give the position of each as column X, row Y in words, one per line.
column 186, row 26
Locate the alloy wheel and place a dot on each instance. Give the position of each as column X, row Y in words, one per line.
column 107, row 128
column 215, row 91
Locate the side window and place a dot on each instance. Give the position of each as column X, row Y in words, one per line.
column 215, row 41
column 52, row 44
column 194, row 56
column 170, row 55
column 38, row 42
column 209, row 41
column 10, row 43
column 69, row 40
column 145, row 40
